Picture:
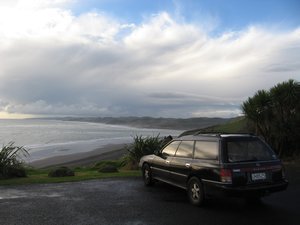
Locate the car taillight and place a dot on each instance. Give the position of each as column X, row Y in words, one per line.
column 226, row 176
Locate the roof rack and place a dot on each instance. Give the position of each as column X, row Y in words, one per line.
column 208, row 133
column 219, row 133
column 200, row 132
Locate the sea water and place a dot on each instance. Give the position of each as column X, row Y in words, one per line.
column 48, row 138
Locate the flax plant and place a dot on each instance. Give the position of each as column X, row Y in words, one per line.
column 11, row 164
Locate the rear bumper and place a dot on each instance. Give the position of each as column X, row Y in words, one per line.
column 247, row 191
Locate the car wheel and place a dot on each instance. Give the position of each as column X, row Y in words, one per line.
column 147, row 175
column 195, row 191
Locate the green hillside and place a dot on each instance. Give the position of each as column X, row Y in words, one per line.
column 235, row 125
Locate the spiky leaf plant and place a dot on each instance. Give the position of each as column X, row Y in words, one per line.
column 141, row 146
column 11, row 164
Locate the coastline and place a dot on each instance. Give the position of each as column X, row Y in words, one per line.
column 107, row 152
column 54, row 142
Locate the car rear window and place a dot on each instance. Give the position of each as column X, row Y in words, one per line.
column 247, row 150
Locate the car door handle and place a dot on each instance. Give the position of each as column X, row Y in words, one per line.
column 167, row 161
column 188, row 165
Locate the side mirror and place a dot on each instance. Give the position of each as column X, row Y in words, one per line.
column 159, row 154
column 163, row 156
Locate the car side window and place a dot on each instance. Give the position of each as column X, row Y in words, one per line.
column 206, row 150
column 185, row 149
column 170, row 149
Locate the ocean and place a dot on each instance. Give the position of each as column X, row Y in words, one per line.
column 48, row 138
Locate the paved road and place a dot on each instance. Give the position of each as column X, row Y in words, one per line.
column 128, row 202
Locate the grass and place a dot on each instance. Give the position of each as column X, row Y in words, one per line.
column 40, row 176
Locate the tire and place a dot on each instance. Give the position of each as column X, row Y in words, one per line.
column 195, row 192
column 147, row 175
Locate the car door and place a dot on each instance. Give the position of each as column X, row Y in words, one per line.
column 161, row 163
column 180, row 166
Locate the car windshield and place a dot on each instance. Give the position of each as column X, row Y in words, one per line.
column 248, row 150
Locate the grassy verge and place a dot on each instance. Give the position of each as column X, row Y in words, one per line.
column 35, row 176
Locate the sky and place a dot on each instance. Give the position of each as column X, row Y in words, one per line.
column 159, row 58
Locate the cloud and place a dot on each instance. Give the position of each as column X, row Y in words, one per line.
column 29, row 4
column 44, row 108
column 54, row 62
column 161, row 31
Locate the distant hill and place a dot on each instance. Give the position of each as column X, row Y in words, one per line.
column 150, row 122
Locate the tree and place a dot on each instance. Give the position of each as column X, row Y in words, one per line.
column 275, row 115
column 285, row 106
column 257, row 110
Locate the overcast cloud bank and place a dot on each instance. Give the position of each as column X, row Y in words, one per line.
column 54, row 62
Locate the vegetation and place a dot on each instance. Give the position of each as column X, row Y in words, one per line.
column 141, row 146
column 275, row 114
column 40, row 176
column 12, row 167
column 61, row 172
column 10, row 161
column 108, row 169
column 109, row 166
column 236, row 125
column 109, row 163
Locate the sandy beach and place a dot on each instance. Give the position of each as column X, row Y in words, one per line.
column 108, row 152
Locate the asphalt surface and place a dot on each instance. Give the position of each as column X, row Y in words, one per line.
column 129, row 202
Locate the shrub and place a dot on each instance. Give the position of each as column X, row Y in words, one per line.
column 108, row 169
column 61, row 172
column 141, row 146
column 11, row 164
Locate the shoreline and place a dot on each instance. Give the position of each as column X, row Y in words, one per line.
column 107, row 152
